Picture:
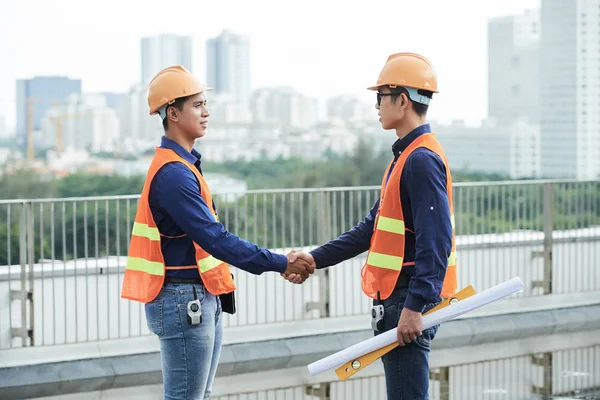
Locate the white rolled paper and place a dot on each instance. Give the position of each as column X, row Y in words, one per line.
column 487, row 296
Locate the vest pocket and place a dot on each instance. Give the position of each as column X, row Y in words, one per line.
column 154, row 317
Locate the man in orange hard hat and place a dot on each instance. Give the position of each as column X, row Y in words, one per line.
column 179, row 256
column 409, row 233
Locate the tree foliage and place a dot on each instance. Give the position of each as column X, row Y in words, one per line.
column 286, row 218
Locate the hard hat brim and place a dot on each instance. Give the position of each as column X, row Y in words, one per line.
column 155, row 110
column 376, row 88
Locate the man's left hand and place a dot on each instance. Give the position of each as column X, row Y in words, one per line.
column 409, row 326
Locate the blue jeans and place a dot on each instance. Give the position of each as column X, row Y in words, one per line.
column 189, row 353
column 406, row 368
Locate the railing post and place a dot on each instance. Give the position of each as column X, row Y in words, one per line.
column 31, row 260
column 544, row 361
column 546, row 253
column 548, row 230
column 25, row 295
column 323, row 235
column 442, row 375
column 321, row 391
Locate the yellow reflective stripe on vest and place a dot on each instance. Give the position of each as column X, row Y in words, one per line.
column 384, row 261
column 150, row 267
column 390, row 225
column 452, row 258
column 452, row 221
column 208, row 263
column 144, row 230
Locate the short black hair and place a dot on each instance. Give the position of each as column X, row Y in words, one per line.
column 178, row 104
column 420, row 108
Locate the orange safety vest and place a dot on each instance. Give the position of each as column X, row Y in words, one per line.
column 385, row 257
column 145, row 270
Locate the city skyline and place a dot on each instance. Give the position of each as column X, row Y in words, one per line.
column 286, row 51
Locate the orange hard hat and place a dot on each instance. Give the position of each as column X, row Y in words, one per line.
column 170, row 84
column 408, row 70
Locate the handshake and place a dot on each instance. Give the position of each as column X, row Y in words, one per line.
column 300, row 265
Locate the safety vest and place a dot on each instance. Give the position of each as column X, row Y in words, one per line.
column 145, row 270
column 385, row 257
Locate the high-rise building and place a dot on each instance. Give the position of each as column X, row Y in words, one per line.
column 38, row 95
column 570, row 89
column 513, row 67
column 228, row 65
column 159, row 52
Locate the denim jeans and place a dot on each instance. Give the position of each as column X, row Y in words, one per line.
column 189, row 353
column 406, row 367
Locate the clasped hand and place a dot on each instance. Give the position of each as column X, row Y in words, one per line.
column 300, row 266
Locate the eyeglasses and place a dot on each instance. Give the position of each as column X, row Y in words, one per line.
column 380, row 95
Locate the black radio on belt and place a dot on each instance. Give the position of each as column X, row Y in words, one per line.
column 194, row 310
column 377, row 313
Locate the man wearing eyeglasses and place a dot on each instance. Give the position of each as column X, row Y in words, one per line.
column 409, row 233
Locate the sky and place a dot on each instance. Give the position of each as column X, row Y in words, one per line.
column 321, row 48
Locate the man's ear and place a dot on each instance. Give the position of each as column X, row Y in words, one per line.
column 404, row 101
column 172, row 114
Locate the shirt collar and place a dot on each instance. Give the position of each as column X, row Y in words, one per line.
column 192, row 157
column 402, row 144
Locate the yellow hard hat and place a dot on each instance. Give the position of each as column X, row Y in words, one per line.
column 407, row 70
column 170, row 84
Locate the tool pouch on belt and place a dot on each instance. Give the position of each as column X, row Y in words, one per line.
column 228, row 301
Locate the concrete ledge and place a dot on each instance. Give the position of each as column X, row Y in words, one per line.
column 107, row 371
column 27, row 356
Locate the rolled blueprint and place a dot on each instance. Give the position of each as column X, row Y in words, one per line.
column 487, row 296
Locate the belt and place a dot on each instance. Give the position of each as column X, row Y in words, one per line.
column 403, row 281
column 169, row 279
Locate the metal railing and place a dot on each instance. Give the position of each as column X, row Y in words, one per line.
column 64, row 258
column 564, row 374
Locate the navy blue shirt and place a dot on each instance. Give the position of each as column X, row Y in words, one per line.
column 182, row 216
column 428, row 238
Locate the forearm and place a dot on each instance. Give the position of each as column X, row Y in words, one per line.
column 239, row 252
column 431, row 260
column 177, row 193
column 426, row 181
column 348, row 245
